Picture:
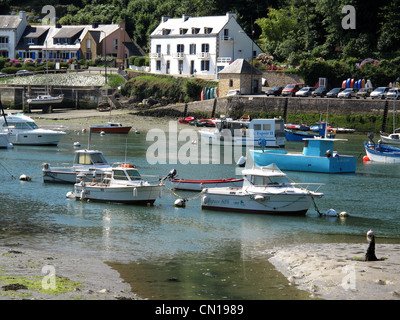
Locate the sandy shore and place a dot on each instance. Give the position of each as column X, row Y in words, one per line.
column 40, row 275
column 336, row 271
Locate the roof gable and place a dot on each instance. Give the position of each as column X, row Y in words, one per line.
column 240, row 66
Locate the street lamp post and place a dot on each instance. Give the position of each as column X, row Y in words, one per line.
column 105, row 57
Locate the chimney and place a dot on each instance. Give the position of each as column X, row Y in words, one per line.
column 58, row 25
column 230, row 15
column 22, row 15
column 164, row 19
column 95, row 25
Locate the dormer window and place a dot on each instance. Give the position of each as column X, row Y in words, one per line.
column 166, row 32
column 195, row 30
column 183, row 31
column 208, row 30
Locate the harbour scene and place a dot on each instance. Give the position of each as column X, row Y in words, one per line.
column 205, row 154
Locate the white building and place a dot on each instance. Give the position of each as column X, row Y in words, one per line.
column 11, row 30
column 200, row 46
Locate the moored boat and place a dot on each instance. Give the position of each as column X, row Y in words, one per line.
column 198, row 185
column 318, row 156
column 265, row 190
column 111, row 127
column 89, row 163
column 246, row 133
column 382, row 153
column 24, row 131
column 46, row 99
column 122, row 184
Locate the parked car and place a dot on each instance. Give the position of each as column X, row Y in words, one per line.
column 320, row 92
column 291, row 89
column 347, row 93
column 24, row 72
column 364, row 93
column 274, row 91
column 333, row 93
column 305, row 92
column 2, row 74
column 233, row 93
column 379, row 93
column 393, row 93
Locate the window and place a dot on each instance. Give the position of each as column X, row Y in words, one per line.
column 180, row 66
column 168, row 49
column 195, row 30
column 205, row 65
column 88, row 55
column 192, row 49
column 158, row 65
column 180, row 48
column 115, row 44
column 158, row 48
column 3, row 39
column 208, row 30
column 205, row 47
column 183, row 31
column 230, row 83
column 166, row 32
column 88, row 43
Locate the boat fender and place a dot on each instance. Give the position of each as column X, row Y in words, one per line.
column 137, row 131
column 331, row 213
column 180, row 203
column 102, row 133
column 24, row 177
column 343, row 214
column 242, row 161
column 70, row 195
column 77, row 144
column 366, row 159
column 205, row 199
column 259, row 197
column 134, row 192
column 328, row 153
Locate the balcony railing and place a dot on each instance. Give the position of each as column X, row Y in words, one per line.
column 203, row 55
column 178, row 55
column 226, row 38
column 224, row 60
column 4, row 46
column 155, row 55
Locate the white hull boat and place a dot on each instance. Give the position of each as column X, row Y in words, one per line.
column 246, row 133
column 46, row 99
column 121, row 185
column 5, row 140
column 24, row 131
column 198, row 185
column 90, row 163
column 265, row 190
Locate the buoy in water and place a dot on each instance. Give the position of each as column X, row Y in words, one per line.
column 366, row 158
column 137, row 131
column 331, row 213
column 102, row 133
column 83, row 130
column 180, row 203
column 343, row 214
column 24, row 177
column 77, row 144
column 70, row 195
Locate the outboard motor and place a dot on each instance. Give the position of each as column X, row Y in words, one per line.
column 170, row 174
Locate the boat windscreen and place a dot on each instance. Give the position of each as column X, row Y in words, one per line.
column 134, row 175
column 32, row 125
column 98, row 158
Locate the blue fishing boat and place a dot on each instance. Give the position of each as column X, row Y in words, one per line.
column 317, row 156
column 382, row 153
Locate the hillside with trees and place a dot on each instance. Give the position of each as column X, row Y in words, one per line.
column 304, row 34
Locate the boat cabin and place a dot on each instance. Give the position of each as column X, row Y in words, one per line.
column 270, row 176
column 90, row 157
column 319, row 147
column 122, row 175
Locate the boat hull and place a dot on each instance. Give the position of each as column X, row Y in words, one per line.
column 215, row 139
column 35, row 138
column 300, row 162
column 281, row 204
column 382, row 153
column 198, row 185
column 292, row 135
column 122, row 130
column 119, row 194
column 69, row 176
column 45, row 101
column 389, row 140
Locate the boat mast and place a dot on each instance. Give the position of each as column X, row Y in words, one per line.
column 47, row 71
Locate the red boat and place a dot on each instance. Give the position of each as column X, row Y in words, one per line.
column 198, row 185
column 111, row 127
column 186, row 120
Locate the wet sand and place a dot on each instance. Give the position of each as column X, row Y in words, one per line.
column 337, row 271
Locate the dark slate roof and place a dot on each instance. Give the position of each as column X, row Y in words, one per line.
column 95, row 35
column 68, row 32
column 240, row 66
column 134, row 49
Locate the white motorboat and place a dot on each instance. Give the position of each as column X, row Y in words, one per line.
column 46, row 99
column 23, row 130
column 89, row 163
column 246, row 133
column 393, row 138
column 265, row 190
column 122, row 184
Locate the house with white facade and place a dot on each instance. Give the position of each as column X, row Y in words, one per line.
column 12, row 28
column 200, row 46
